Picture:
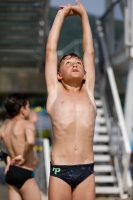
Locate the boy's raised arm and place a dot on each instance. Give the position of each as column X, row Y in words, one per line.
column 87, row 45
column 51, row 47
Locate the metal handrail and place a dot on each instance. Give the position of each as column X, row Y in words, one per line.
column 113, row 37
column 69, row 46
column 109, row 9
column 116, row 99
column 114, row 90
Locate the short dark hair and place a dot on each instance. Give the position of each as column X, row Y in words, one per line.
column 14, row 102
column 63, row 58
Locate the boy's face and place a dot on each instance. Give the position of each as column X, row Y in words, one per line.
column 71, row 68
column 33, row 117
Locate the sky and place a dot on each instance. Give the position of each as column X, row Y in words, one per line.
column 95, row 7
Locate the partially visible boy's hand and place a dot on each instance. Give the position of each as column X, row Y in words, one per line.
column 79, row 9
column 18, row 161
column 67, row 10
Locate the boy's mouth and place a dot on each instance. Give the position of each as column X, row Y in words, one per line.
column 75, row 70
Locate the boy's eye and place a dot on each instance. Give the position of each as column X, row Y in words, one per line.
column 79, row 63
column 68, row 63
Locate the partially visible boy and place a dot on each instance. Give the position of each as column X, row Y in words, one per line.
column 33, row 118
column 18, row 135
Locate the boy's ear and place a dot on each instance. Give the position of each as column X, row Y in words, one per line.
column 84, row 76
column 22, row 110
column 59, row 77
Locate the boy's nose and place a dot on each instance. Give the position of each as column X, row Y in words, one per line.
column 75, row 64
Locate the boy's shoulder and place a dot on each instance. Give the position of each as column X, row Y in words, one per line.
column 24, row 124
column 29, row 124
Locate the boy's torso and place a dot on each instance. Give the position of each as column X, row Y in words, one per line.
column 13, row 137
column 73, row 119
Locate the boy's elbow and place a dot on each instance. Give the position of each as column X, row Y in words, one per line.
column 50, row 50
column 90, row 52
column 31, row 143
column 88, row 49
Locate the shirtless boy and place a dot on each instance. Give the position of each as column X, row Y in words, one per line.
column 72, row 110
column 18, row 135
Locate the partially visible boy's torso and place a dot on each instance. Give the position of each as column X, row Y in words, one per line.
column 13, row 137
column 73, row 119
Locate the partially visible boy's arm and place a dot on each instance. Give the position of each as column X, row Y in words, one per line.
column 30, row 139
column 8, row 163
column 36, row 161
column 29, row 144
column 88, row 50
column 87, row 45
column 51, row 47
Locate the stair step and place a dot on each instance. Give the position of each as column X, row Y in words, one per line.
column 100, row 120
column 97, row 94
column 101, row 129
column 102, row 158
column 100, row 111
column 101, row 148
column 98, row 103
column 101, row 138
column 103, row 168
column 107, row 190
column 105, row 179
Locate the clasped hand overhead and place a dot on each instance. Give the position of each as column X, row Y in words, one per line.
column 70, row 10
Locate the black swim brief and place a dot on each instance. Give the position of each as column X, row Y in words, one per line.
column 3, row 156
column 72, row 174
column 17, row 176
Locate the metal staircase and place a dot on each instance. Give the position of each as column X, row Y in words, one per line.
column 22, row 31
column 22, row 45
column 113, row 49
column 105, row 174
column 111, row 144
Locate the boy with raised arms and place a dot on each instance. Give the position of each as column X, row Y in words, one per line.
column 71, row 107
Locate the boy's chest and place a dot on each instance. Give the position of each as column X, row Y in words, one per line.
column 72, row 104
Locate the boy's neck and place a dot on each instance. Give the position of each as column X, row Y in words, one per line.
column 73, row 87
column 19, row 117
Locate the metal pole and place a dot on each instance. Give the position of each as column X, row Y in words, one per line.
column 46, row 149
column 131, row 13
column 129, row 100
